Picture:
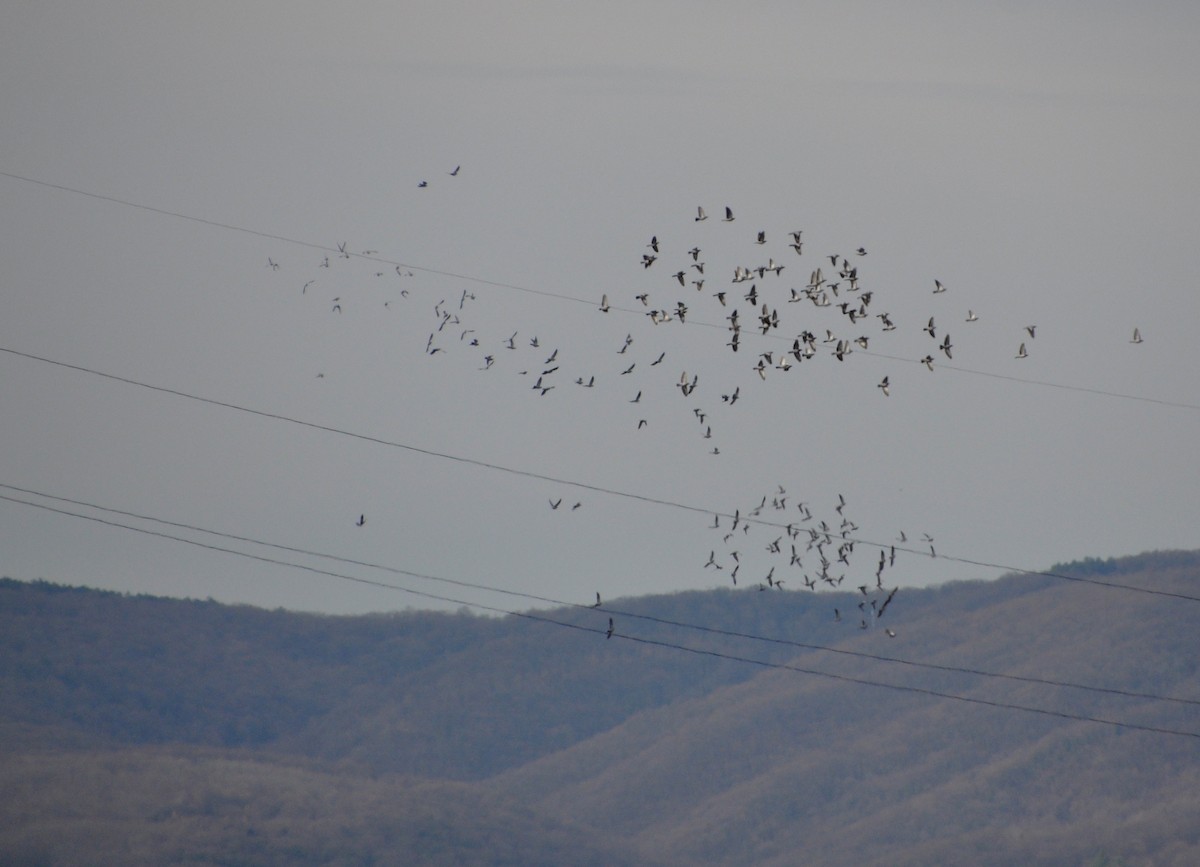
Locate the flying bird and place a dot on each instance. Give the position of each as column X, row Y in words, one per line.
column 1137, row 336
column 700, row 215
column 938, row 287
column 609, row 634
column 454, row 173
column 604, row 303
column 362, row 519
column 883, row 386
column 1021, row 353
column 728, row 214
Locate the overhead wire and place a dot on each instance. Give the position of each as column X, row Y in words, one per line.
column 706, row 652
column 599, row 489
column 576, row 605
column 232, row 227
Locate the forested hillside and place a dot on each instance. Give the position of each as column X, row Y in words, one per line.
column 1029, row 719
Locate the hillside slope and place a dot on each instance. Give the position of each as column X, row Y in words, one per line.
column 792, row 765
column 157, row 727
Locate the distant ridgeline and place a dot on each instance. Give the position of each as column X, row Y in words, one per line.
column 1028, row 719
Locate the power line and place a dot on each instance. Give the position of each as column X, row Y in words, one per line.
column 546, row 293
column 637, row 639
column 608, row 608
column 561, row 481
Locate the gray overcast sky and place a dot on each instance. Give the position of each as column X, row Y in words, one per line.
column 1039, row 159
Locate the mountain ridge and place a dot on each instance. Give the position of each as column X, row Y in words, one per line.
column 823, row 746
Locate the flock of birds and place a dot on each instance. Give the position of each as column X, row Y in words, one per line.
column 832, row 314
column 825, row 543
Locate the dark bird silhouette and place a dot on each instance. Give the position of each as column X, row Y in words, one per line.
column 454, row 173
column 362, row 519
column 611, row 626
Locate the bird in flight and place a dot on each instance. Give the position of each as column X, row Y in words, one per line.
column 700, row 215
column 1021, row 353
column 938, row 287
column 609, row 634
column 1137, row 336
column 362, row 519
column 454, row 173
column 728, row 214
column 604, row 303
column 883, row 386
